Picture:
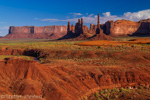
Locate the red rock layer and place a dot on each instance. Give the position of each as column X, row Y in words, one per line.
column 24, row 77
column 118, row 28
column 126, row 27
column 50, row 32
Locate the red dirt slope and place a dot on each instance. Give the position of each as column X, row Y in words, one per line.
column 27, row 77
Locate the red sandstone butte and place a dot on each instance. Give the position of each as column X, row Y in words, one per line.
column 48, row 32
column 81, row 31
column 126, row 27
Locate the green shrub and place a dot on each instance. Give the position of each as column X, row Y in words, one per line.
column 17, row 54
column 99, row 47
column 98, row 99
column 97, row 94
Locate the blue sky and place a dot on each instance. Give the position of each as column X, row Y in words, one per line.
column 58, row 12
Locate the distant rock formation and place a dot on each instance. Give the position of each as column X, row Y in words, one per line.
column 110, row 28
column 120, row 27
column 126, row 27
column 81, row 31
column 48, row 32
column 144, row 28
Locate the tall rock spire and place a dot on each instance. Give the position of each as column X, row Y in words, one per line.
column 91, row 26
column 79, row 21
column 72, row 28
column 98, row 22
column 98, row 25
column 69, row 27
column 81, row 25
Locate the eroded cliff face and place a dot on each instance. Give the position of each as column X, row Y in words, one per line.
column 24, row 30
column 126, row 27
column 121, row 27
column 50, row 29
column 144, row 28
column 50, row 32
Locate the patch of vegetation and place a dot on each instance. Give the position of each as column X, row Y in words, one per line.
column 99, row 47
column 98, row 55
column 2, row 57
column 121, row 93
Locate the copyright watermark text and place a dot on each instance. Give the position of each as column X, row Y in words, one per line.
column 20, row 97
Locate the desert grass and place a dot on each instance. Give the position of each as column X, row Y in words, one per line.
column 126, row 47
column 114, row 43
column 136, row 93
column 2, row 57
column 73, row 45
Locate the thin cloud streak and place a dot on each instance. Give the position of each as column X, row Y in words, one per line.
column 4, row 27
column 52, row 20
column 76, row 14
column 135, row 16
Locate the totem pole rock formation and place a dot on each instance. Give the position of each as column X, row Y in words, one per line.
column 69, row 28
column 98, row 25
column 81, row 31
column 110, row 28
column 79, row 27
column 91, row 26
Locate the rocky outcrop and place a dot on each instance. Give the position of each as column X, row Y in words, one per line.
column 79, row 27
column 81, row 31
column 50, row 32
column 98, row 26
column 111, row 28
column 121, row 27
column 23, row 30
column 126, row 27
column 99, row 34
column 144, row 28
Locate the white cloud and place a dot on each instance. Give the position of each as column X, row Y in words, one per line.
column 91, row 15
column 4, row 27
column 107, row 14
column 76, row 14
column 91, row 18
column 3, row 30
column 135, row 16
column 73, row 20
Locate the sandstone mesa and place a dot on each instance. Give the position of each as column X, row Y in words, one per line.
column 81, row 31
